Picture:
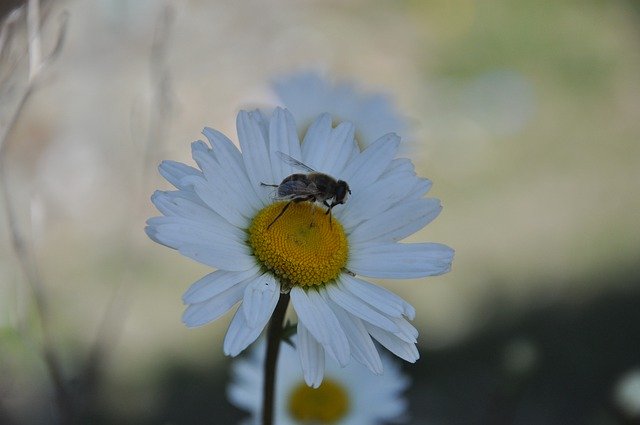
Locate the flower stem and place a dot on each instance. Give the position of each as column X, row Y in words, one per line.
column 274, row 335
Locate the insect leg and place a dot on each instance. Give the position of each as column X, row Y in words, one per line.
column 296, row 200
column 270, row 185
column 326, row 204
column 279, row 215
column 329, row 212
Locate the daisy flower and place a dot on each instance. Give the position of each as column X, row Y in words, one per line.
column 308, row 94
column 627, row 393
column 223, row 216
column 347, row 396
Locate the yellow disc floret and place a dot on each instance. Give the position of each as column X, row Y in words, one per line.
column 301, row 246
column 326, row 404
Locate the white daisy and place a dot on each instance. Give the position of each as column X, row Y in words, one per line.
column 627, row 393
column 221, row 215
column 348, row 396
column 307, row 95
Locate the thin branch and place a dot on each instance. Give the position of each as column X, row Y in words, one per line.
column 161, row 91
column 19, row 241
column 36, row 63
column 8, row 26
column 33, row 33
column 57, row 47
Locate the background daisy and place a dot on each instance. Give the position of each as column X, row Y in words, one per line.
column 308, row 94
column 627, row 394
column 348, row 396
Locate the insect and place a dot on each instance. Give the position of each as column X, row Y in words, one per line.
column 312, row 187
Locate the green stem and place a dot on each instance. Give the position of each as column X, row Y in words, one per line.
column 274, row 335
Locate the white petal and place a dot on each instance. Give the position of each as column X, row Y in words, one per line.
column 362, row 347
column 260, row 298
column 223, row 184
column 187, row 215
column 420, row 188
column 220, row 199
column 406, row 331
column 403, row 166
column 151, row 232
column 400, row 165
column 283, row 137
column 240, row 334
column 255, row 152
column 396, row 223
column 315, row 141
column 174, row 172
column 338, row 149
column 311, row 356
column 175, row 231
column 317, row 317
column 242, row 396
column 230, row 162
column 369, row 165
column 373, row 200
column 357, row 307
column 405, row 350
column 201, row 313
column 223, row 255
column 401, row 261
column 215, row 283
column 377, row 296
column 182, row 203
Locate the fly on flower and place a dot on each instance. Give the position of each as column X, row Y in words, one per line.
column 312, row 187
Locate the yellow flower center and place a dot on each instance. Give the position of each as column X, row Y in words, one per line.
column 326, row 404
column 301, row 247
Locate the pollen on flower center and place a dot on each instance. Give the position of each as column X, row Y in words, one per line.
column 301, row 247
column 326, row 404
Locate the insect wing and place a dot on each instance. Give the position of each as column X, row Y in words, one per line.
column 294, row 162
column 293, row 189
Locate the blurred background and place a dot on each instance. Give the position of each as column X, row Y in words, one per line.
column 524, row 114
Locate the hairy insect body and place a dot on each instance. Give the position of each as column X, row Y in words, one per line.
column 312, row 187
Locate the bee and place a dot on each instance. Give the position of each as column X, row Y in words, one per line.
column 311, row 187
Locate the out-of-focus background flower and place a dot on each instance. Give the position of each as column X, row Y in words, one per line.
column 524, row 114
